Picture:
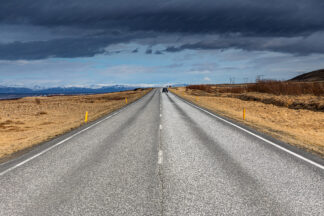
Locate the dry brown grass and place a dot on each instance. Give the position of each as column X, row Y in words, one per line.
column 302, row 128
column 28, row 121
column 266, row 86
column 206, row 88
column 309, row 102
column 296, row 95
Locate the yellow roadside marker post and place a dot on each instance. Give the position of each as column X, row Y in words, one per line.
column 86, row 117
column 126, row 100
column 243, row 113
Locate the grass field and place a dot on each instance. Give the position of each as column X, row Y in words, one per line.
column 294, row 95
column 267, row 86
column 28, row 121
column 298, row 126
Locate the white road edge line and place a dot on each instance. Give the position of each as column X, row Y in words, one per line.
column 63, row 141
column 261, row 138
column 53, row 146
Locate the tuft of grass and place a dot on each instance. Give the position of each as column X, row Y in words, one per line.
column 41, row 113
column 37, row 101
column 4, row 124
column 205, row 88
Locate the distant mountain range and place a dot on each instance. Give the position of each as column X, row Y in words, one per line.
column 65, row 90
column 70, row 90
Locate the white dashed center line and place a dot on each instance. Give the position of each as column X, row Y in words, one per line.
column 160, row 157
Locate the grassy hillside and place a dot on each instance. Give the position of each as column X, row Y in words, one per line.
column 313, row 76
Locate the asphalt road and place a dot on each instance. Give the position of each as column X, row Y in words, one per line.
column 161, row 156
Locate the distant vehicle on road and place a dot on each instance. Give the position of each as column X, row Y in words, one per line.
column 165, row 90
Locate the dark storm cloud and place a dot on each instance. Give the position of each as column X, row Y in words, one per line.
column 148, row 51
column 301, row 45
column 246, row 16
column 54, row 48
column 251, row 19
column 64, row 48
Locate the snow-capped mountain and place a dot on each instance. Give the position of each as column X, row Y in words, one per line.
column 66, row 90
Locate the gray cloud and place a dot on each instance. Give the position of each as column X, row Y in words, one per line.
column 247, row 16
column 148, row 51
column 301, row 45
column 64, row 48
column 76, row 28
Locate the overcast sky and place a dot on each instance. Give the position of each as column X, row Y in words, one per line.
column 97, row 42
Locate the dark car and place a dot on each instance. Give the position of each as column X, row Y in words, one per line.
column 165, row 90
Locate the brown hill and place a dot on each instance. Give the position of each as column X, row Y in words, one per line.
column 317, row 75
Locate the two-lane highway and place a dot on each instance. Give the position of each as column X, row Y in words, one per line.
column 162, row 156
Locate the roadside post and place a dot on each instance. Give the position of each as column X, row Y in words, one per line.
column 126, row 100
column 243, row 113
column 86, row 117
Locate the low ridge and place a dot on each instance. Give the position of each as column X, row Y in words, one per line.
column 317, row 75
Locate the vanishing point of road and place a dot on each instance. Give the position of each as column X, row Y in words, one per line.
column 160, row 156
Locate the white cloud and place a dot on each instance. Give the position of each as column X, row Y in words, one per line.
column 200, row 72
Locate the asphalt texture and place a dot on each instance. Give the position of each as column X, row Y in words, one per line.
column 161, row 156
